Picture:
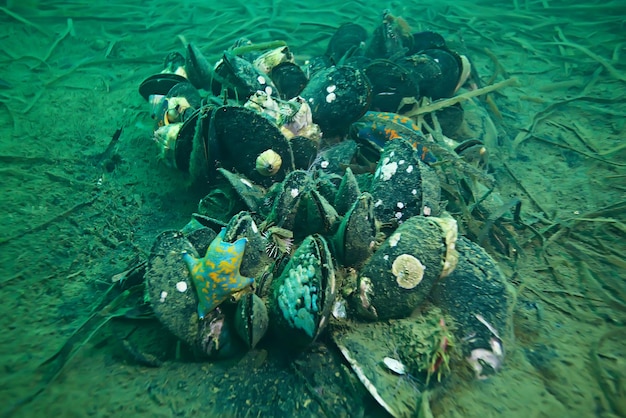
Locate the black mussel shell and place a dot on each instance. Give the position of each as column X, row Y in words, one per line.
column 198, row 68
column 390, row 84
column 304, row 152
column 243, row 77
column 346, row 41
column 189, row 92
column 426, row 40
column 437, row 70
column 242, row 135
column 205, row 151
column 476, row 288
column 289, row 79
column 316, row 64
column 173, row 61
column 337, row 96
column 184, row 142
column 403, row 185
column 159, row 84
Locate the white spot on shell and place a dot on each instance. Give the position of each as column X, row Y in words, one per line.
column 294, row 192
column 268, row 90
column 331, row 88
column 163, row 296
column 409, row 271
column 261, row 80
column 388, row 170
column 181, row 286
column 394, row 365
column 246, row 182
column 414, row 192
column 339, row 309
column 324, row 164
column 398, row 215
column 378, row 203
column 330, row 97
column 255, row 229
column 427, row 211
column 409, row 169
column 394, row 239
column 400, row 205
column 400, row 162
column 386, row 257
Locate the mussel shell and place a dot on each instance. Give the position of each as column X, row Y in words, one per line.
column 426, row 40
column 450, row 119
column 251, row 194
column 347, row 193
column 188, row 91
column 346, row 41
column 289, row 79
column 205, row 150
column 166, row 274
column 286, row 203
column 172, row 62
column 304, row 152
column 390, row 84
column 198, row 68
column 243, row 77
column 297, row 316
column 254, row 260
column 420, row 237
column 356, row 235
column 316, row 64
column 475, row 287
column 159, row 84
column 251, row 319
column 242, row 134
column 436, row 70
column 400, row 181
column 337, row 96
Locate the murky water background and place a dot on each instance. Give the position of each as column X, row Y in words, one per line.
column 70, row 221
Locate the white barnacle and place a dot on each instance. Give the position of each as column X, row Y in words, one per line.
column 400, row 205
column 324, row 164
column 409, row 169
column 388, row 170
column 330, row 97
column 394, row 239
column 181, row 286
column 294, row 192
column 163, row 296
column 378, row 203
column 261, row 80
column 246, row 182
column 331, row 88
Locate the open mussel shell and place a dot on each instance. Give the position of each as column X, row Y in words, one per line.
column 289, row 79
column 346, row 41
column 304, row 293
column 252, row 195
column 243, row 77
column 255, row 260
column 198, row 68
column 403, row 185
column 400, row 274
column 390, row 84
column 251, row 319
column 242, row 135
column 159, row 84
column 337, row 96
column 475, row 287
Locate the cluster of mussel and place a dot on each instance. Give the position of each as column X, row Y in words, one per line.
column 338, row 213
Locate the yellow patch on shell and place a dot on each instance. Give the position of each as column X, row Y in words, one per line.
column 268, row 163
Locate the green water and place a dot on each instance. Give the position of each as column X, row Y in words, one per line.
column 79, row 207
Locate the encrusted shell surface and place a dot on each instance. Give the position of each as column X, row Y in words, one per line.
column 419, row 237
column 403, row 185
